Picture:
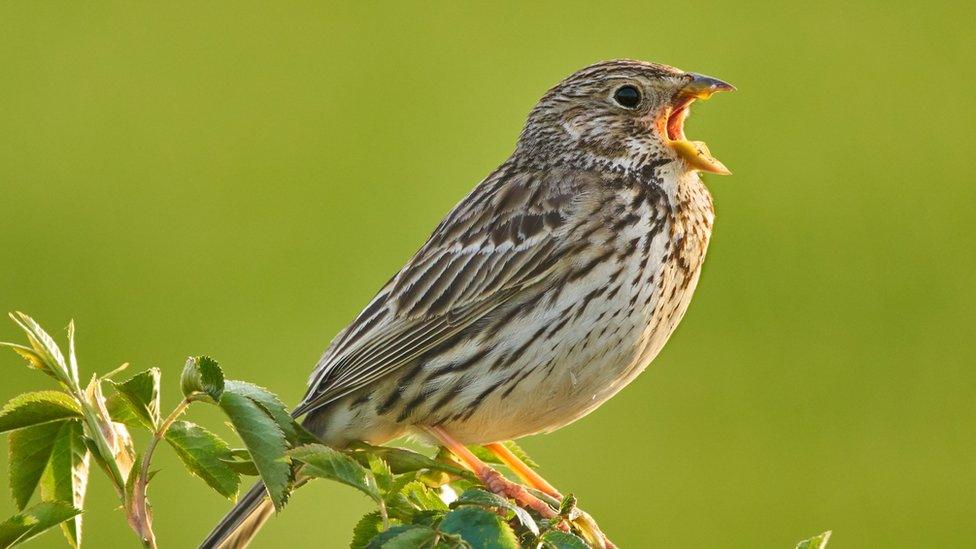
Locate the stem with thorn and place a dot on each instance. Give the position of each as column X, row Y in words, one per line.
column 137, row 507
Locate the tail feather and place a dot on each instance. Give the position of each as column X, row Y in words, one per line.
column 242, row 523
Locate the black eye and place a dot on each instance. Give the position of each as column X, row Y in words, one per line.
column 627, row 96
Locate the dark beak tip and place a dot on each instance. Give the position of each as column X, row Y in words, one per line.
column 704, row 82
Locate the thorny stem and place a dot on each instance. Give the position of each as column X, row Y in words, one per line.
column 139, row 517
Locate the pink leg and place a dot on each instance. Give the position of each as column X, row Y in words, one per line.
column 492, row 479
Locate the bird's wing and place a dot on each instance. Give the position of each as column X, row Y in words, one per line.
column 497, row 241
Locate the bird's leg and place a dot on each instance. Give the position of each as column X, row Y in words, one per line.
column 523, row 471
column 492, row 479
column 583, row 520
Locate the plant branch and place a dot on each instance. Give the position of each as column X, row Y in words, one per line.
column 137, row 507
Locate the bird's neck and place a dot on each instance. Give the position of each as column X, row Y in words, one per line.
column 633, row 161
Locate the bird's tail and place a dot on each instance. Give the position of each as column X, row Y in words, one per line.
column 242, row 523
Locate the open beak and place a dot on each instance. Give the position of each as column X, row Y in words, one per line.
column 694, row 153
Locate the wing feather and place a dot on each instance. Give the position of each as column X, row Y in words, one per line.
column 496, row 242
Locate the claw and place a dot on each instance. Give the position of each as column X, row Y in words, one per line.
column 501, row 486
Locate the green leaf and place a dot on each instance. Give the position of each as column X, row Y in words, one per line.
column 37, row 407
column 267, row 400
column 477, row 496
column 33, row 359
column 241, row 462
column 121, row 411
column 72, row 359
column 66, row 476
column 30, row 450
column 141, row 393
column 423, row 497
column 204, row 453
column 409, row 497
column 385, row 536
column 130, row 481
column 480, row 528
column 816, row 542
column 381, row 472
column 48, row 355
column 568, row 505
column 264, row 440
column 486, row 455
column 554, row 539
column 27, row 524
column 402, row 461
column 520, row 453
column 366, row 529
column 427, row 518
column 414, row 538
column 324, row 462
column 202, row 374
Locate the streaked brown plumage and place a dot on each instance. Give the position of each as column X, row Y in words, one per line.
column 544, row 291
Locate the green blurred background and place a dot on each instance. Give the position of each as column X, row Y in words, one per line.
column 238, row 179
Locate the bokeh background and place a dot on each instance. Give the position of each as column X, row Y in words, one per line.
column 239, row 178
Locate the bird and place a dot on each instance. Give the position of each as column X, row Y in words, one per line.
column 540, row 295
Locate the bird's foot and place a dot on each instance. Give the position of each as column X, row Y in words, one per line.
column 498, row 484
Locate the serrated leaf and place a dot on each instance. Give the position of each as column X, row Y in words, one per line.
column 33, row 359
column 428, row 517
column 414, row 538
column 381, row 472
column 816, row 542
column 366, row 529
column 267, row 400
column 30, row 449
column 487, row 456
column 407, row 498
column 36, row 408
column 241, row 462
column 141, row 393
column 520, row 453
column 380, row 540
column 324, row 462
column 202, row 374
column 66, row 476
column 480, row 528
column 264, row 440
column 121, row 411
column 203, row 453
column 567, row 506
column 477, row 496
column 423, row 497
column 34, row 521
column 44, row 346
column 554, row 539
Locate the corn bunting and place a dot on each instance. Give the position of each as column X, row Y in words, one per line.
column 540, row 295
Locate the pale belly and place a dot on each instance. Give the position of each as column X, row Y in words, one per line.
column 591, row 358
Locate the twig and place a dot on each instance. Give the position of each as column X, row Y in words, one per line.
column 139, row 517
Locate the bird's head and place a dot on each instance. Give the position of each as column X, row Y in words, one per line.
column 621, row 114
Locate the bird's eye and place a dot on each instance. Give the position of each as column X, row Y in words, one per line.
column 627, row 96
